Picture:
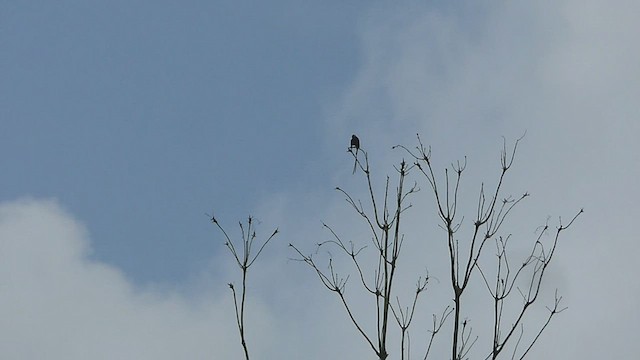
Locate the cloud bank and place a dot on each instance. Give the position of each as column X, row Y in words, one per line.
column 57, row 303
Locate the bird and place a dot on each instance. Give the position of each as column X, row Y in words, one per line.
column 355, row 143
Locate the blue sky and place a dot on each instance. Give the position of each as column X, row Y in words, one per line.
column 122, row 123
column 142, row 116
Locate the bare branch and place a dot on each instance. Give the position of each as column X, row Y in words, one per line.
column 437, row 325
column 243, row 261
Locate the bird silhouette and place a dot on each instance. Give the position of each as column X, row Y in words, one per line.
column 355, row 143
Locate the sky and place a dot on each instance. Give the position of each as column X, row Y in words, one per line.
column 124, row 123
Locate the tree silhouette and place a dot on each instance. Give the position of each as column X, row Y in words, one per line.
column 382, row 217
column 491, row 213
column 377, row 275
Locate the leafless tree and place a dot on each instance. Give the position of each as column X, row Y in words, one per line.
column 376, row 271
column 491, row 213
column 244, row 257
column 382, row 217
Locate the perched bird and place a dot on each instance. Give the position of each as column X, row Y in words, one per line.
column 355, row 143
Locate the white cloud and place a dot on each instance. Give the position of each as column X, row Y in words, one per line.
column 57, row 303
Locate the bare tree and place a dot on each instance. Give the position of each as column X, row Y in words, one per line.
column 244, row 259
column 377, row 271
column 383, row 219
column 491, row 213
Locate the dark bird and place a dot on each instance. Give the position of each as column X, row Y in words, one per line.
column 355, row 143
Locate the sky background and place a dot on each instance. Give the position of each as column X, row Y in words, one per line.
column 122, row 123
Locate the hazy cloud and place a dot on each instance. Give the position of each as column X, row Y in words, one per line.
column 57, row 303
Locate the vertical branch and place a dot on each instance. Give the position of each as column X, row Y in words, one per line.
column 491, row 213
column 437, row 325
column 244, row 262
column 405, row 316
column 383, row 221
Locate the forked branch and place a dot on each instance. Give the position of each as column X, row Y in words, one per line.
column 245, row 257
